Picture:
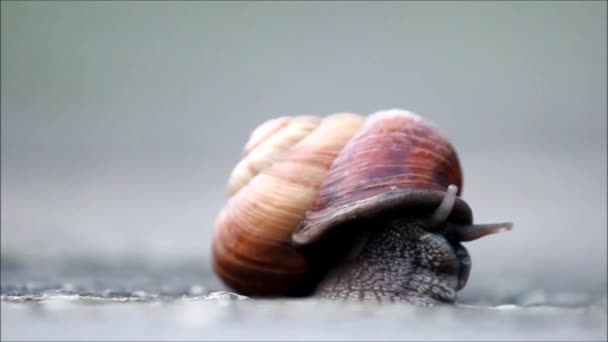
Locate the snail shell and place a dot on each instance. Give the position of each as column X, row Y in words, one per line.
column 396, row 160
column 283, row 165
column 268, row 143
column 301, row 177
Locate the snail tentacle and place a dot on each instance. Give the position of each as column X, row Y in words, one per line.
column 441, row 214
column 476, row 231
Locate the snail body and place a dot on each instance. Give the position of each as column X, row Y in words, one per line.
column 347, row 207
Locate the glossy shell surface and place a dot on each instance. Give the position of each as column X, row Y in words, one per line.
column 267, row 144
column 283, row 165
column 396, row 159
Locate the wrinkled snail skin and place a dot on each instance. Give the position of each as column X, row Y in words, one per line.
column 400, row 262
column 348, row 208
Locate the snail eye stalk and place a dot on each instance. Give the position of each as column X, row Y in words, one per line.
column 442, row 212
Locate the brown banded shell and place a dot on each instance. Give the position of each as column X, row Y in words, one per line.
column 396, row 160
column 268, row 143
column 284, row 163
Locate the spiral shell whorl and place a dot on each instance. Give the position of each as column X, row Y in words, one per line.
column 284, row 163
column 268, row 143
column 395, row 156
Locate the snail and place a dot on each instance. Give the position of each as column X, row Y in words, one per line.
column 347, row 207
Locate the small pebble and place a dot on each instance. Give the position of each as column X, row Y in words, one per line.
column 69, row 287
column 225, row 295
column 507, row 307
column 139, row 293
column 196, row 290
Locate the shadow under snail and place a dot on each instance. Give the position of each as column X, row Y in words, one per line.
column 347, row 207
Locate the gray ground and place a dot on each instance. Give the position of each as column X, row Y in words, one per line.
column 122, row 120
column 127, row 302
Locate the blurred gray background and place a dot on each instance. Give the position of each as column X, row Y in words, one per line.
column 121, row 121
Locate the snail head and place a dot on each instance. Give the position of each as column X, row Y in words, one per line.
column 460, row 232
column 440, row 240
column 415, row 255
